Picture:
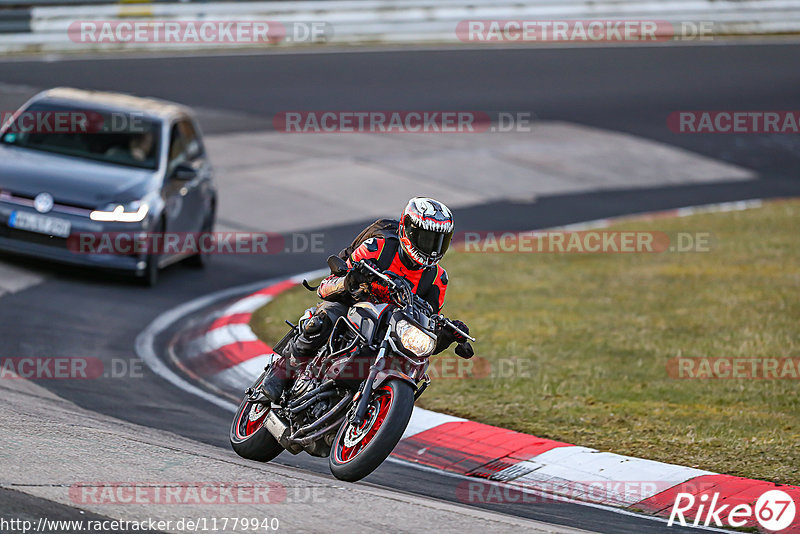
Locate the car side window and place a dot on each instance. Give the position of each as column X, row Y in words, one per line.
column 193, row 147
column 177, row 147
column 184, row 144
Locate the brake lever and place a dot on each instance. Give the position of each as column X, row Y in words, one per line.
column 456, row 329
column 364, row 264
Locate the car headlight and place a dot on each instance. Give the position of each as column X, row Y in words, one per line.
column 130, row 212
column 414, row 339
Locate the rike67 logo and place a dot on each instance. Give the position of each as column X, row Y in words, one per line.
column 774, row 510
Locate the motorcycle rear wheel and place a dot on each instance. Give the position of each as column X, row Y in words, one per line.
column 249, row 438
column 358, row 451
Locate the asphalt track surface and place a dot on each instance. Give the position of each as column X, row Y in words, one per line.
column 76, row 313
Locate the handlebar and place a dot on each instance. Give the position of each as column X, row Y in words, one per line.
column 391, row 284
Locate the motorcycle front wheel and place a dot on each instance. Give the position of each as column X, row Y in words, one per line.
column 358, row 451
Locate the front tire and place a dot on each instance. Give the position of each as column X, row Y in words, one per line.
column 200, row 260
column 151, row 272
column 249, row 438
column 150, row 278
column 358, row 451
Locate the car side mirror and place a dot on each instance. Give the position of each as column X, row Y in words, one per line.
column 337, row 265
column 184, row 172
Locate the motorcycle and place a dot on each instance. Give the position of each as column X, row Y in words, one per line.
column 353, row 400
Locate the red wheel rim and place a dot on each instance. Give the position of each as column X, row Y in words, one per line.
column 251, row 418
column 354, row 440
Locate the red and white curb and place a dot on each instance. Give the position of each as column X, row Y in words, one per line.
column 230, row 355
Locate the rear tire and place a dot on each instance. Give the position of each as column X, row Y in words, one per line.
column 357, row 452
column 249, row 438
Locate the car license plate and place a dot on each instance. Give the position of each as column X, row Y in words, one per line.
column 41, row 224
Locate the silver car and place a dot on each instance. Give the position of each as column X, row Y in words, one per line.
column 80, row 169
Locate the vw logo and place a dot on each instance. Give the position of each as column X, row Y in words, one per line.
column 43, row 202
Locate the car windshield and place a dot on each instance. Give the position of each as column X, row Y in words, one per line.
column 120, row 138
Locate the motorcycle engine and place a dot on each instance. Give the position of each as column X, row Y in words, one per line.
column 303, row 385
column 319, row 408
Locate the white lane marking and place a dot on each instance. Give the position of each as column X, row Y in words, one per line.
column 247, row 305
column 14, row 279
column 721, row 208
column 541, row 494
column 739, row 205
column 229, row 334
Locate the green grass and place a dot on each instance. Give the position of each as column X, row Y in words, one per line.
column 596, row 332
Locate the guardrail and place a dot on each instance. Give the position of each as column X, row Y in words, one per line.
column 15, row 21
column 384, row 21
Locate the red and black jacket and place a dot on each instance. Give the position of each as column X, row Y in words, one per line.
column 380, row 244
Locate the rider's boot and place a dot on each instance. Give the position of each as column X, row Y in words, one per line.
column 300, row 350
column 276, row 380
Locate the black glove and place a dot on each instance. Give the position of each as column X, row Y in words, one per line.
column 465, row 350
column 448, row 336
column 353, row 280
column 458, row 338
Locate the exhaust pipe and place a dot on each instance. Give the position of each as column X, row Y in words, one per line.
column 280, row 430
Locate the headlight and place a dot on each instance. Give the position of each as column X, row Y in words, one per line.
column 131, row 212
column 415, row 339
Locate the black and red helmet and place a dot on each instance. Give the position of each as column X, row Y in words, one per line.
column 426, row 228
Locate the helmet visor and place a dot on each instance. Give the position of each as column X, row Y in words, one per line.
column 429, row 242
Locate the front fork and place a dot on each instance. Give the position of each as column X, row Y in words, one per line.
column 364, row 394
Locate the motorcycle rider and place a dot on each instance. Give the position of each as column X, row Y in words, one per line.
column 412, row 248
